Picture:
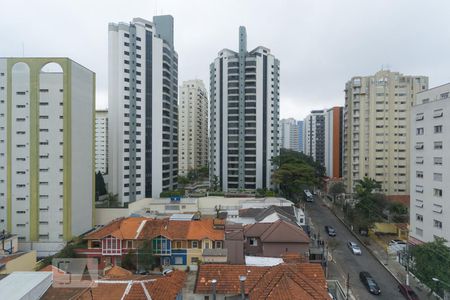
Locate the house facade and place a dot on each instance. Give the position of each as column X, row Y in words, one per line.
column 173, row 243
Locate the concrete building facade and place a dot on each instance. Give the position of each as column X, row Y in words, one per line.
column 101, row 141
column 300, row 136
column 47, row 134
column 290, row 134
column 193, row 127
column 376, row 129
column 314, row 135
column 143, row 108
column 333, row 141
column 244, row 116
column 430, row 158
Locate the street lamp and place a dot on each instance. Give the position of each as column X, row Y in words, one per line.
column 439, row 282
column 213, row 283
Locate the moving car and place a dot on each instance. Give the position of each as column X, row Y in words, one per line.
column 354, row 248
column 408, row 292
column 330, row 230
column 369, row 283
column 309, row 196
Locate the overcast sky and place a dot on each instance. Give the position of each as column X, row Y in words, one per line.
column 320, row 44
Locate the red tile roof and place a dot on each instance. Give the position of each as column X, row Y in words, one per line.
column 147, row 228
column 160, row 288
column 403, row 199
column 280, row 232
column 282, row 282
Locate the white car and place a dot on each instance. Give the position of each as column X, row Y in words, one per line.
column 354, row 248
column 397, row 242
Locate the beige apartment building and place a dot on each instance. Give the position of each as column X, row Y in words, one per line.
column 193, row 126
column 376, row 129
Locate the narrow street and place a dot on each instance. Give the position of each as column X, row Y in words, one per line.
column 344, row 262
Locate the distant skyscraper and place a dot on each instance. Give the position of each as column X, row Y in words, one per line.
column 101, row 141
column 289, row 134
column 193, row 126
column 245, row 101
column 143, row 108
column 376, row 129
column 46, row 151
column 430, row 161
column 314, row 135
column 300, row 136
column 333, row 141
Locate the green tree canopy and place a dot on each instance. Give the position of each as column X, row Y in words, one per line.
column 295, row 173
column 432, row 260
column 100, row 186
column 370, row 205
column 337, row 188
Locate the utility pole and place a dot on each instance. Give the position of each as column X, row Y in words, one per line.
column 407, row 262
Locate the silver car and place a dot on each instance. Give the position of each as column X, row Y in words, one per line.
column 354, row 248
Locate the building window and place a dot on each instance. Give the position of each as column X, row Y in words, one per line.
column 218, row 244
column 194, row 244
column 194, row 260
column 437, row 161
column 419, row 131
column 129, row 244
column 438, row 129
column 419, row 218
column 419, row 174
column 419, row 189
column 419, row 231
column 437, row 224
column 96, row 244
column 438, row 113
column 419, row 146
column 419, row 117
column 253, row 241
column 437, row 192
column 178, row 260
column 438, row 145
column 419, row 160
column 437, row 177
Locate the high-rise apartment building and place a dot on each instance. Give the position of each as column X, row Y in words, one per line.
column 101, row 141
column 143, row 108
column 314, row 135
column 333, row 141
column 193, row 127
column 376, row 129
column 430, row 161
column 47, row 181
column 244, row 108
column 289, row 134
column 300, row 136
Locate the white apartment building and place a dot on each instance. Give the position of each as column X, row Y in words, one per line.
column 314, row 135
column 430, row 161
column 193, row 127
column 101, row 141
column 47, row 181
column 290, row 134
column 376, row 129
column 143, row 108
column 244, row 109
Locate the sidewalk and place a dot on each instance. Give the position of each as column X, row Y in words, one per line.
column 387, row 261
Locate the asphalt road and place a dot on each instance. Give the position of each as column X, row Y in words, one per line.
column 345, row 262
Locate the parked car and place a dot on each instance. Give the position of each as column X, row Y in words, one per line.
column 369, row 283
column 408, row 292
column 397, row 242
column 330, row 230
column 354, row 248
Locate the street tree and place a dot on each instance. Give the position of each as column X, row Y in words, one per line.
column 431, row 260
column 337, row 189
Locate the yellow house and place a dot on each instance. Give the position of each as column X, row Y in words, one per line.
column 21, row 261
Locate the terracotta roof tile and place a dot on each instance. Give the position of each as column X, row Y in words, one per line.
column 117, row 272
column 147, row 228
column 279, row 231
column 282, row 282
column 159, row 288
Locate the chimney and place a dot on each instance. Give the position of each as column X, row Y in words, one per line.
column 242, row 279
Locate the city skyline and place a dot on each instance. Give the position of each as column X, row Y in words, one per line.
column 306, row 37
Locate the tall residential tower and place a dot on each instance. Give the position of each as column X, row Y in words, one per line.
column 314, row 136
column 193, row 127
column 244, row 108
column 143, row 108
column 290, row 134
column 376, row 129
column 47, row 181
column 333, row 141
column 101, row 141
column 430, row 161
